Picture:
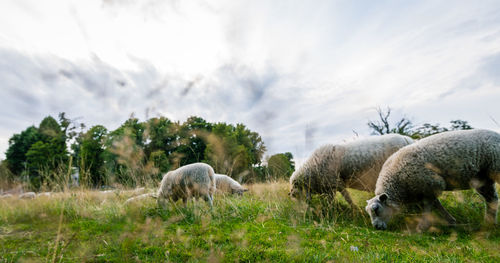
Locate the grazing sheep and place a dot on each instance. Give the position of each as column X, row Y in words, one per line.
column 336, row 167
column 6, row 196
column 139, row 197
column 46, row 194
column 419, row 173
column 227, row 184
column 192, row 180
column 27, row 195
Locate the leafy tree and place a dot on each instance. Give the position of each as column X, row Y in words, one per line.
column 161, row 135
column 160, row 142
column 192, row 140
column 234, row 150
column 124, row 153
column 281, row 165
column 160, row 161
column 47, row 154
column 91, row 156
column 428, row 129
column 19, row 144
column 460, row 125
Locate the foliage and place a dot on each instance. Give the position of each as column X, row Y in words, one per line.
column 138, row 153
column 91, row 157
column 280, row 166
column 234, row 150
column 19, row 144
column 37, row 151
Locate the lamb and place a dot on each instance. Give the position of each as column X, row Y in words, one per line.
column 195, row 179
column 227, row 184
column 419, row 173
column 336, row 167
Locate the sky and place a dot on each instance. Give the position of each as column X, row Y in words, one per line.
column 300, row 73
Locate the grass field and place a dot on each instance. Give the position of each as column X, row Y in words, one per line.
column 264, row 225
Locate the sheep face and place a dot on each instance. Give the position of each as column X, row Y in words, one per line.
column 296, row 191
column 380, row 211
column 238, row 191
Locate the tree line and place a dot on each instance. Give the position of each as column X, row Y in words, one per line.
column 139, row 153
column 136, row 153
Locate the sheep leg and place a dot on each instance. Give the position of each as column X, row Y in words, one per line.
column 162, row 203
column 437, row 204
column 424, row 224
column 308, row 197
column 209, row 199
column 490, row 196
column 347, row 197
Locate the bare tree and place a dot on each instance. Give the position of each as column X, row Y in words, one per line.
column 382, row 126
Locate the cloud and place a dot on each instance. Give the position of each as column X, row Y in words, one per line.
column 300, row 74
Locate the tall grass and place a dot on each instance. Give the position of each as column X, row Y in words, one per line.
column 263, row 225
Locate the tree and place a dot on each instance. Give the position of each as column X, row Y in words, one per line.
column 160, row 161
column 460, row 125
column 160, row 142
column 125, row 153
column 280, row 165
column 403, row 126
column 234, row 150
column 91, row 156
column 428, row 129
column 192, row 140
column 19, row 144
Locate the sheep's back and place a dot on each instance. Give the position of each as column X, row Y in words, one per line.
column 446, row 161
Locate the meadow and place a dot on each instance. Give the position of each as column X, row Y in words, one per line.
column 264, row 225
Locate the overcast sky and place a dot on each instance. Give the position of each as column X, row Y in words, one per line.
column 300, row 73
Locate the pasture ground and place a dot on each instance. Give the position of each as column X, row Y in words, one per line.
column 264, row 225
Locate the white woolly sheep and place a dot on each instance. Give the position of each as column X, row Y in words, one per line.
column 45, row 194
column 27, row 195
column 139, row 197
column 227, row 184
column 350, row 165
column 419, row 173
column 6, row 196
column 192, row 180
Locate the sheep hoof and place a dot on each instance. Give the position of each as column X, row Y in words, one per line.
column 423, row 226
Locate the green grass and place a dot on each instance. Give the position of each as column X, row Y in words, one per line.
column 264, row 225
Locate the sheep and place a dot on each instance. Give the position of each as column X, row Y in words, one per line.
column 27, row 195
column 195, row 179
column 6, row 196
column 336, row 167
column 227, row 184
column 139, row 197
column 46, row 194
column 419, row 173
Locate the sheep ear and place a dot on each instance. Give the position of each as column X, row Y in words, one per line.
column 383, row 197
